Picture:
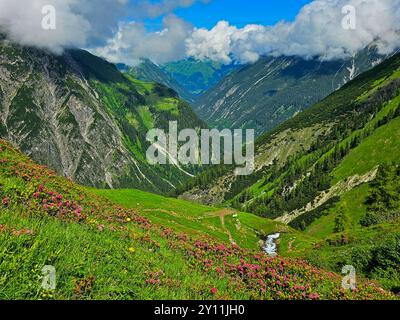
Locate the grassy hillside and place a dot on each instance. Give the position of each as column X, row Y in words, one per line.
column 146, row 70
column 226, row 225
column 118, row 245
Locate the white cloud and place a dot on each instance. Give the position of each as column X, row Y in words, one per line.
column 316, row 31
column 102, row 25
column 223, row 41
column 22, row 21
column 132, row 42
column 79, row 23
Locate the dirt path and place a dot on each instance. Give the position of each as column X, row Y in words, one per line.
column 222, row 214
column 290, row 245
column 172, row 213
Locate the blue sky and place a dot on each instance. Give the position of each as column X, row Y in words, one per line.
column 241, row 12
column 236, row 12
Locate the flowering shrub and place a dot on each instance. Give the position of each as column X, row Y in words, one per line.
column 53, row 204
column 254, row 274
column 154, row 278
column 275, row 278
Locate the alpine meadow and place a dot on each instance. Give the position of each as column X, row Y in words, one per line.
column 200, row 150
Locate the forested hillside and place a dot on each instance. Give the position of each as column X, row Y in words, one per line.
column 330, row 172
column 198, row 76
column 148, row 71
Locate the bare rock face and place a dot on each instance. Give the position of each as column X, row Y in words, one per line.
column 51, row 110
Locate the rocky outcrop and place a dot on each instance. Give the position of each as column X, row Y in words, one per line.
column 337, row 190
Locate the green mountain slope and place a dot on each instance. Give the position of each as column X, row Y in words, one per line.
column 330, row 172
column 149, row 71
column 198, row 76
column 104, row 250
column 263, row 95
column 78, row 114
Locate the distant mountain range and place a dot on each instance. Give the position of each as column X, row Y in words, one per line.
column 263, row 95
column 190, row 78
column 353, row 112
column 149, row 71
column 259, row 96
column 197, row 76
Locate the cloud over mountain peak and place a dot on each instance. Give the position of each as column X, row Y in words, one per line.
column 117, row 30
column 317, row 31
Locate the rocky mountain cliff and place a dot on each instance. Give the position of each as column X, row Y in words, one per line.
column 80, row 116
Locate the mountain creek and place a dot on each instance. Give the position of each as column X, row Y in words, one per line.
column 270, row 246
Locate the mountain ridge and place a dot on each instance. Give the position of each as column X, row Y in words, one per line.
column 78, row 114
column 274, row 89
column 148, row 71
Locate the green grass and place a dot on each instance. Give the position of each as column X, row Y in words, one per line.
column 333, row 254
column 352, row 203
column 146, row 117
column 382, row 146
column 91, row 263
column 389, row 107
column 168, row 104
column 355, row 244
column 142, row 87
column 196, row 219
column 79, row 252
column 378, row 84
column 132, row 120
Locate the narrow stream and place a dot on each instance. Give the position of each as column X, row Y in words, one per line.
column 270, row 246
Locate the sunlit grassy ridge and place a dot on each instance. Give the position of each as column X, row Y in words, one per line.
column 223, row 224
column 382, row 146
column 102, row 250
